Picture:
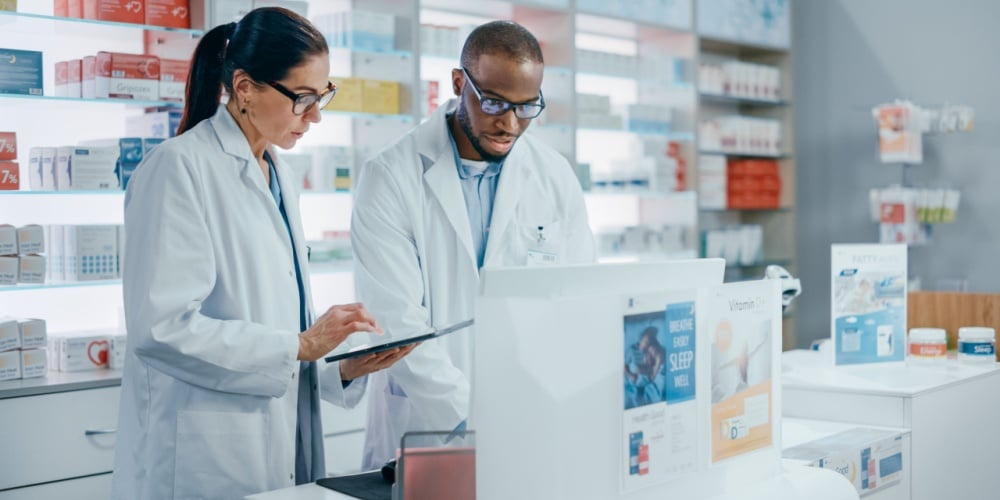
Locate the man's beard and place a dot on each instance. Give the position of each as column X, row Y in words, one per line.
column 462, row 115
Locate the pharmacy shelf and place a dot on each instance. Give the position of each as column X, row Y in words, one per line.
column 368, row 116
column 92, row 22
column 742, row 101
column 670, row 136
column 359, row 50
column 644, row 194
column 102, row 102
column 63, row 193
column 713, row 44
column 758, row 264
column 678, row 86
column 747, row 210
column 57, row 285
column 639, row 22
column 735, row 154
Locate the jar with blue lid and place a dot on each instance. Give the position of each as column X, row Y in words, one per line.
column 977, row 344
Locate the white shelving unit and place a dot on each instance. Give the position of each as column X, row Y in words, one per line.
column 562, row 26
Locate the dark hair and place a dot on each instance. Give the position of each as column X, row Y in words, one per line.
column 267, row 43
column 501, row 37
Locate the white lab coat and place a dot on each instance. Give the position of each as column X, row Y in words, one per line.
column 415, row 264
column 210, row 387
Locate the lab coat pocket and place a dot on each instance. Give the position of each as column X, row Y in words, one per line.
column 540, row 242
column 220, row 455
column 398, row 408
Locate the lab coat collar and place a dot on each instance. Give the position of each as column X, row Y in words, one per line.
column 234, row 143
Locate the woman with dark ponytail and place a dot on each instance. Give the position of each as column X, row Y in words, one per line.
column 220, row 393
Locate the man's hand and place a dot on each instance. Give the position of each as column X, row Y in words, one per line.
column 332, row 328
column 360, row 366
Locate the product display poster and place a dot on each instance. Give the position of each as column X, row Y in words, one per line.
column 868, row 303
column 742, row 322
column 659, row 435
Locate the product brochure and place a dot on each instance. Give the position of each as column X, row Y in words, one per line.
column 742, row 321
column 868, row 303
column 660, row 420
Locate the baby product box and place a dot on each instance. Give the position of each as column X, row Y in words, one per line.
column 91, row 252
column 120, row 11
column 10, row 365
column 80, row 351
column 20, row 72
column 127, row 76
column 10, row 334
column 8, row 239
column 168, row 13
column 33, row 333
column 173, row 79
column 9, row 269
column 10, row 180
column 30, row 239
column 34, row 363
column 31, row 269
column 8, row 146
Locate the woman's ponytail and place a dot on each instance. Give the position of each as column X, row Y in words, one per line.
column 204, row 85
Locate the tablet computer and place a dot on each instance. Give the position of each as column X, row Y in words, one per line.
column 364, row 350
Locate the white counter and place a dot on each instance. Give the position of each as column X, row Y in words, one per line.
column 951, row 411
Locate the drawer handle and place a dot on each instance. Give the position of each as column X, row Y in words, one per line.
column 98, row 432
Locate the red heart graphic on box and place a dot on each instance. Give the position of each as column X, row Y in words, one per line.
column 99, row 356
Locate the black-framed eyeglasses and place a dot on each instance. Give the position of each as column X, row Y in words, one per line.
column 497, row 107
column 302, row 103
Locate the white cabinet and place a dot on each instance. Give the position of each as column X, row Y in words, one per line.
column 49, row 438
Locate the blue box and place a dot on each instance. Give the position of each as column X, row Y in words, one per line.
column 20, row 72
column 133, row 151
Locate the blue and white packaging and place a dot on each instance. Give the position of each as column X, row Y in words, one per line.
column 133, row 151
column 91, row 168
column 868, row 303
column 41, row 169
column 158, row 124
column 21, row 72
column 765, row 22
column 870, row 459
column 56, row 261
column 91, row 252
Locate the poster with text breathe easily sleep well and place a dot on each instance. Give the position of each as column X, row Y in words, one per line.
column 868, row 303
column 659, row 429
column 742, row 321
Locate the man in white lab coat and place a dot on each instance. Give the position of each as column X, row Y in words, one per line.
column 462, row 191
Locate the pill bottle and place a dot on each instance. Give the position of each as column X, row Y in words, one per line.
column 927, row 346
column 976, row 344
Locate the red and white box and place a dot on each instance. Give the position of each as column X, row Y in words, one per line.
column 74, row 78
column 62, row 78
column 88, row 69
column 168, row 13
column 74, row 8
column 60, row 8
column 173, row 79
column 83, row 351
column 9, row 178
column 120, row 11
column 127, row 76
column 8, row 146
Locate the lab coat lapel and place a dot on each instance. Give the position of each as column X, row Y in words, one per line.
column 234, row 143
column 290, row 200
column 441, row 175
column 512, row 176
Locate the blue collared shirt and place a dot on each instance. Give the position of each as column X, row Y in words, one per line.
column 479, row 185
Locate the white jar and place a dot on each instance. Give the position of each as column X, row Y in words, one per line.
column 927, row 346
column 976, row 344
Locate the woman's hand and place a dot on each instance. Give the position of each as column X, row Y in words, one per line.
column 360, row 366
column 332, row 328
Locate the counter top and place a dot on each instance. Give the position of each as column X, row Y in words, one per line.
column 55, row 382
column 814, row 370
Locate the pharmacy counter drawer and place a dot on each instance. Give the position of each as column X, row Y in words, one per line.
column 58, row 436
column 85, row 488
column 60, row 382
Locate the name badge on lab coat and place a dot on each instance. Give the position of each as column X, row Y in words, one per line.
column 540, row 258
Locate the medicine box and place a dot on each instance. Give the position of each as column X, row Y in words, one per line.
column 30, row 239
column 90, row 168
column 74, row 8
column 116, row 356
column 158, row 124
column 127, row 76
column 380, row 97
column 207, row 14
column 8, row 146
column 33, row 333
column 8, row 239
column 870, row 459
column 21, row 72
column 132, row 151
column 10, row 5
column 119, row 11
column 31, row 269
column 173, row 79
column 69, row 77
column 88, row 85
column 10, row 179
column 349, row 94
column 9, row 269
column 10, row 334
column 168, row 13
column 10, row 365
column 91, row 252
column 81, row 351
column 34, row 363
